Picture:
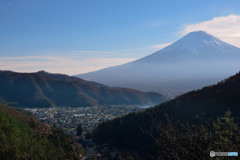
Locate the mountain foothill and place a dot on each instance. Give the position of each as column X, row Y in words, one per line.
column 43, row 89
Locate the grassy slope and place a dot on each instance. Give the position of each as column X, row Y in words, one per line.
column 22, row 137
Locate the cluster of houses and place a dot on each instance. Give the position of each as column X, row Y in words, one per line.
column 68, row 118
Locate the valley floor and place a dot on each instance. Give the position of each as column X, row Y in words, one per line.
column 68, row 118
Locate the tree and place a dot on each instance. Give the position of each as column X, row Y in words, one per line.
column 79, row 130
column 32, row 124
column 226, row 134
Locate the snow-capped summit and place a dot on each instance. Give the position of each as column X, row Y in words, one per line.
column 198, row 42
column 196, row 60
column 199, row 39
column 195, row 45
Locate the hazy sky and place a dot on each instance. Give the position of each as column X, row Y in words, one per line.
column 77, row 36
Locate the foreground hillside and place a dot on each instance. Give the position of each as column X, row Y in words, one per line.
column 43, row 89
column 187, row 127
column 23, row 137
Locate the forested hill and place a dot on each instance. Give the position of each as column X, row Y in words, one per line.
column 186, row 126
column 44, row 89
column 23, row 137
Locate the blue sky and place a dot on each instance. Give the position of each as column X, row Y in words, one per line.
column 78, row 36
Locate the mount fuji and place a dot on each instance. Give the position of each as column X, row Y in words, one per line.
column 196, row 60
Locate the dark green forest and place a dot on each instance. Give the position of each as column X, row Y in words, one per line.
column 187, row 127
column 24, row 138
column 43, row 89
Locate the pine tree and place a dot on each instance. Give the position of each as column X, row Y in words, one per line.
column 79, row 130
column 226, row 134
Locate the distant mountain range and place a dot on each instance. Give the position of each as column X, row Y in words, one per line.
column 196, row 60
column 44, row 89
column 185, row 121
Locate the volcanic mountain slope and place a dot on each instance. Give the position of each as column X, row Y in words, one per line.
column 43, row 89
column 182, row 128
column 196, row 60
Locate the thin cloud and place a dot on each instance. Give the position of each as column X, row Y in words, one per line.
column 58, row 64
column 92, row 52
column 29, row 58
column 155, row 24
column 161, row 46
column 226, row 28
